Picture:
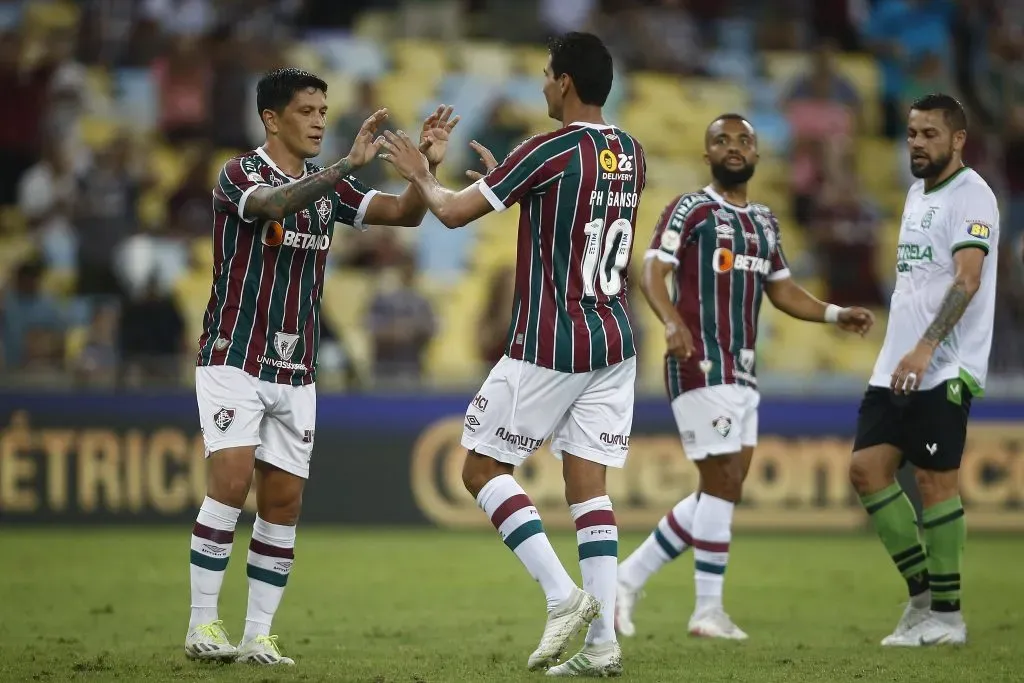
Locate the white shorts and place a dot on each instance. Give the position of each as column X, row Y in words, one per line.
column 237, row 409
column 717, row 420
column 586, row 414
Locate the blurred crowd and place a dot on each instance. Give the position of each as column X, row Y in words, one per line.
column 89, row 281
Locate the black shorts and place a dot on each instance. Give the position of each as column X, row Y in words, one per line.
column 928, row 427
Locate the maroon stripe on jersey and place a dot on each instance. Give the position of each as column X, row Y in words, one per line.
column 258, row 333
column 580, row 329
column 215, row 303
column 267, row 550
column 505, row 510
column 237, row 272
column 547, row 315
column 309, row 331
column 291, row 298
column 524, row 271
column 213, row 535
column 595, row 518
column 688, row 299
column 612, row 333
column 723, row 304
column 749, row 311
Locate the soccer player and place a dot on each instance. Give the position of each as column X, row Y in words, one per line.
column 569, row 365
column 933, row 361
column 274, row 216
column 725, row 253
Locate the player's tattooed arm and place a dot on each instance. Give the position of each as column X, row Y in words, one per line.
column 275, row 203
column 966, row 281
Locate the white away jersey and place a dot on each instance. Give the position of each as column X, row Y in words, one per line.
column 959, row 213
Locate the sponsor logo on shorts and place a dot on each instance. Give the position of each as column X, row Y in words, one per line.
column 472, row 423
column 523, row 443
column 722, row 425
column 281, row 364
column 480, row 403
column 223, row 418
column 621, row 440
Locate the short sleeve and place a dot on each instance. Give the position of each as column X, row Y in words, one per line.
column 353, row 200
column 239, row 178
column 674, row 228
column 530, row 164
column 975, row 219
column 779, row 265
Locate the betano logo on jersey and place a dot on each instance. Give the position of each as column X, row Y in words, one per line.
column 615, row 167
column 723, row 260
column 274, row 235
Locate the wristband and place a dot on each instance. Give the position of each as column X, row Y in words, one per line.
column 832, row 313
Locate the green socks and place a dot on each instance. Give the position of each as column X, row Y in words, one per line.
column 896, row 524
column 945, row 531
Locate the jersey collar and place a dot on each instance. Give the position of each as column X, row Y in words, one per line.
column 595, row 126
column 710, row 191
column 270, row 162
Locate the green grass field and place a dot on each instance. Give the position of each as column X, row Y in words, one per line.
column 382, row 605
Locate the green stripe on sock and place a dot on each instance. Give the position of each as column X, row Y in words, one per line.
column 599, row 549
column 214, row 564
column 945, row 531
column 709, row 568
column 266, row 576
column 531, row 528
column 873, row 502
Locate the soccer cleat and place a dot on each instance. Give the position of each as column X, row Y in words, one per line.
column 625, row 602
column 262, row 650
column 593, row 661
column 209, row 642
column 564, row 622
column 912, row 616
column 715, row 623
column 936, row 629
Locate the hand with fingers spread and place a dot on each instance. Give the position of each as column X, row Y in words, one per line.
column 856, row 319
column 489, row 162
column 401, row 153
column 437, row 129
column 367, row 142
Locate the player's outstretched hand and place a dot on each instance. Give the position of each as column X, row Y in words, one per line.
column 437, row 129
column 486, row 158
column 907, row 375
column 856, row 319
column 678, row 341
column 401, row 153
column 367, row 142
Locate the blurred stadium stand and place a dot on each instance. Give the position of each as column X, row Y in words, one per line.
column 105, row 257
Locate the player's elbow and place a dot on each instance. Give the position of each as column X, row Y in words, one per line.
column 452, row 218
column 969, row 282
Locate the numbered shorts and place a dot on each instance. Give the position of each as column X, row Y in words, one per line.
column 717, row 420
column 586, row 414
column 928, row 427
column 237, row 409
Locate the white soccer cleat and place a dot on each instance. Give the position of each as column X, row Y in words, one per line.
column 564, row 621
column 936, row 629
column 209, row 642
column 625, row 602
column 593, row 661
column 715, row 623
column 912, row 616
column 262, row 650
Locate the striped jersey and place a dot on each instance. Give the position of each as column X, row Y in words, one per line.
column 579, row 193
column 723, row 255
column 268, row 277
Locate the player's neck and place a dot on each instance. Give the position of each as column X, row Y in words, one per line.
column 735, row 195
column 577, row 112
column 954, row 167
column 286, row 161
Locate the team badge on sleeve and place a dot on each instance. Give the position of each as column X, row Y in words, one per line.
column 979, row 230
column 670, row 240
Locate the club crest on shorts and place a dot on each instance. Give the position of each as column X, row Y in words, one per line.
column 284, row 344
column 223, row 418
column 722, row 425
column 323, row 208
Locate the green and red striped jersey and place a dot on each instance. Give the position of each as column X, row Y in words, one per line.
column 579, row 193
column 723, row 255
column 268, row 277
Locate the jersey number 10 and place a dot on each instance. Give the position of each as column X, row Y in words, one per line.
column 606, row 263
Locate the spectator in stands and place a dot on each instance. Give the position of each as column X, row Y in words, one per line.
column 824, row 81
column 367, row 102
column 20, row 126
column 1013, row 167
column 46, row 196
column 183, row 78
column 97, row 363
column 503, row 130
column 33, row 323
column 401, row 322
column 152, row 336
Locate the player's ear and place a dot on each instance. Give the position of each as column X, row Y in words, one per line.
column 270, row 122
column 959, row 139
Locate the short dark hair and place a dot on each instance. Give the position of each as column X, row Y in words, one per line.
column 587, row 61
column 728, row 116
column 277, row 88
column 952, row 110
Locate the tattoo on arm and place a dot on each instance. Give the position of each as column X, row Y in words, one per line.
column 279, row 202
column 953, row 306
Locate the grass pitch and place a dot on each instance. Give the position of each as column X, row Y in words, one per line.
column 430, row 606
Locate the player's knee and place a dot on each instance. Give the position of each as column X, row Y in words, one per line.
column 280, row 511
column 722, row 477
column 936, row 487
column 479, row 469
column 865, row 477
column 230, row 488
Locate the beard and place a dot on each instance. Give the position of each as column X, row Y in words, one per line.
column 932, row 167
column 728, row 177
